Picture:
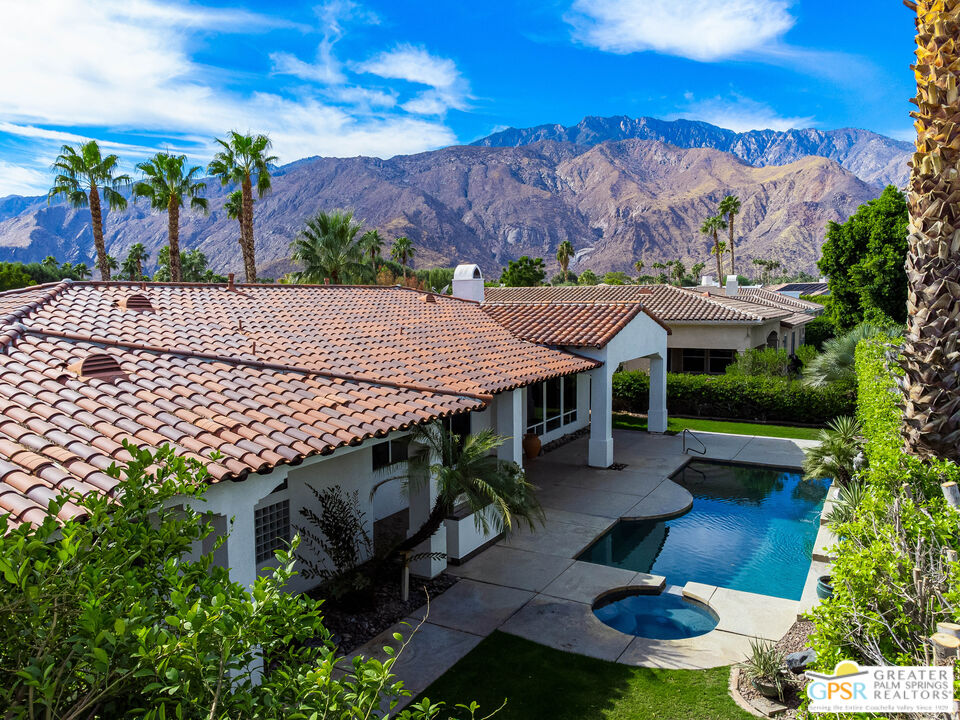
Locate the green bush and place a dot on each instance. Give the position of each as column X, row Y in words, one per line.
column 761, row 361
column 771, row 399
column 818, row 331
column 879, row 614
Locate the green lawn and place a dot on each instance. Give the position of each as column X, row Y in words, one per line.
column 544, row 684
column 623, row 421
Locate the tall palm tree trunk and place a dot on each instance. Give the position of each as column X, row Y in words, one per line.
column 930, row 358
column 716, row 249
column 96, row 219
column 246, row 223
column 173, row 235
column 733, row 258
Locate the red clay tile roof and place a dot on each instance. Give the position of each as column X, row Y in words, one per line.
column 768, row 297
column 266, row 375
column 567, row 294
column 564, row 324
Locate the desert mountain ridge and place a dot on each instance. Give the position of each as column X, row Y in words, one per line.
column 490, row 202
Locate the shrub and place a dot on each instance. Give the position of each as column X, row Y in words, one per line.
column 761, row 361
column 818, row 331
column 775, row 399
column 892, row 583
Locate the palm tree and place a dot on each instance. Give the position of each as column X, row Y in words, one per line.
column 638, row 266
column 931, row 394
column 712, row 227
column 466, row 470
column 836, row 360
column 329, row 249
column 834, row 456
column 373, row 247
column 81, row 271
column 565, row 253
column 245, row 162
column 696, row 270
column 133, row 265
column 402, row 251
column 234, row 209
column 82, row 173
column 730, row 207
column 168, row 187
column 677, row 271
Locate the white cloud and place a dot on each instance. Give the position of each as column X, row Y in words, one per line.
column 740, row 114
column 705, row 30
column 148, row 85
column 418, row 66
column 20, row 180
column 325, row 69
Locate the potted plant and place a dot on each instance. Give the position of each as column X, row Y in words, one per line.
column 531, row 445
column 825, row 586
column 764, row 669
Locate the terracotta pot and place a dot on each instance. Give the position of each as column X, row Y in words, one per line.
column 531, row 445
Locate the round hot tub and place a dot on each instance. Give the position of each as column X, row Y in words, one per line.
column 659, row 616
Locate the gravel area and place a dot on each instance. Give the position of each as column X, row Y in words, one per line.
column 355, row 623
column 795, row 640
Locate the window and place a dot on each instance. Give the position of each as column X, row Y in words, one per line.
column 694, row 361
column 271, row 529
column 389, row 453
column 718, row 360
column 551, row 404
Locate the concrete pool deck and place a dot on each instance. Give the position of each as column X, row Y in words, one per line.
column 530, row 585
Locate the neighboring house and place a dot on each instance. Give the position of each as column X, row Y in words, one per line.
column 290, row 384
column 709, row 325
column 811, row 289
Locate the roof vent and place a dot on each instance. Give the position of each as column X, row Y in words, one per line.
column 429, row 298
column 136, row 303
column 98, row 366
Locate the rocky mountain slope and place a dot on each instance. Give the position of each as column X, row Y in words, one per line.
column 627, row 200
column 871, row 157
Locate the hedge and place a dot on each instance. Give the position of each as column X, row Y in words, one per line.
column 771, row 399
column 901, row 523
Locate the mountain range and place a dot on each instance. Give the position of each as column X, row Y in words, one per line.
column 627, row 188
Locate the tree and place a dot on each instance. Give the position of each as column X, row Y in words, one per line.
column 615, row 278
column 677, row 271
column 82, row 173
column 834, row 456
column 638, row 266
column 719, row 249
column 110, row 617
column 168, row 186
column 402, row 251
column 588, row 277
column 244, row 160
column 929, row 359
column 466, row 469
column 712, row 227
column 767, row 268
column 133, row 266
column 565, row 254
column 524, row 272
column 864, row 261
column 81, row 271
column 730, row 207
column 13, row 276
column 559, row 279
column 193, row 266
column 835, row 363
column 328, row 249
column 234, row 209
column 661, row 278
column 373, row 246
column 696, row 271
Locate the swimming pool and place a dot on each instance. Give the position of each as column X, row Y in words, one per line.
column 750, row 528
column 661, row 615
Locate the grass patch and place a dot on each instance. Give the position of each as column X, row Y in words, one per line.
column 540, row 683
column 624, row 421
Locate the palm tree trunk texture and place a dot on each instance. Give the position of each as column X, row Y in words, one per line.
column 716, row 247
column 733, row 259
column 173, row 235
column 931, row 353
column 246, row 223
column 96, row 219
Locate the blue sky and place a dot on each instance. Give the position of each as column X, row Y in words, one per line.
column 382, row 78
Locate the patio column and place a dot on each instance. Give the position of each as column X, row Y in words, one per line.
column 510, row 425
column 657, row 413
column 600, row 452
column 423, row 494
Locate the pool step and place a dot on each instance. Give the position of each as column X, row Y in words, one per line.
column 823, row 546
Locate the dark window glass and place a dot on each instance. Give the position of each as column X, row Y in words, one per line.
column 398, row 450
column 535, row 408
column 719, row 359
column 569, row 393
column 554, row 407
column 381, row 455
column 694, row 361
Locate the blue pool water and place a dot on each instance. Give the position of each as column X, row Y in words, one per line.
column 664, row 617
column 750, row 529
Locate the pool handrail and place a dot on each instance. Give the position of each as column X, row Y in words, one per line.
column 687, row 449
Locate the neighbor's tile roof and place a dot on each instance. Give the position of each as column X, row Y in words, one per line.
column 812, row 288
column 263, row 374
column 768, row 297
column 682, row 305
column 564, row 324
column 567, row 294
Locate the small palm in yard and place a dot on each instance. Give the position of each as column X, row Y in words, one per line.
column 82, row 175
column 835, row 455
column 169, row 185
column 329, row 248
column 402, row 251
column 565, row 254
column 836, row 361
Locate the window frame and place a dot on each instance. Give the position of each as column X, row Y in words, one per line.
column 567, row 411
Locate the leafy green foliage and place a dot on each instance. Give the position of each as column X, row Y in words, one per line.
column 864, row 259
column 109, row 618
column 588, row 277
column 764, row 663
column 835, row 363
column 879, row 612
column 817, row 332
column 523, row 272
column 834, row 456
column 193, row 267
column 772, row 399
column 616, row 278
column 761, row 361
column 329, row 247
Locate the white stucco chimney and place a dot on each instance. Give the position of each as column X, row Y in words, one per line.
column 468, row 282
column 733, row 286
column 708, row 281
